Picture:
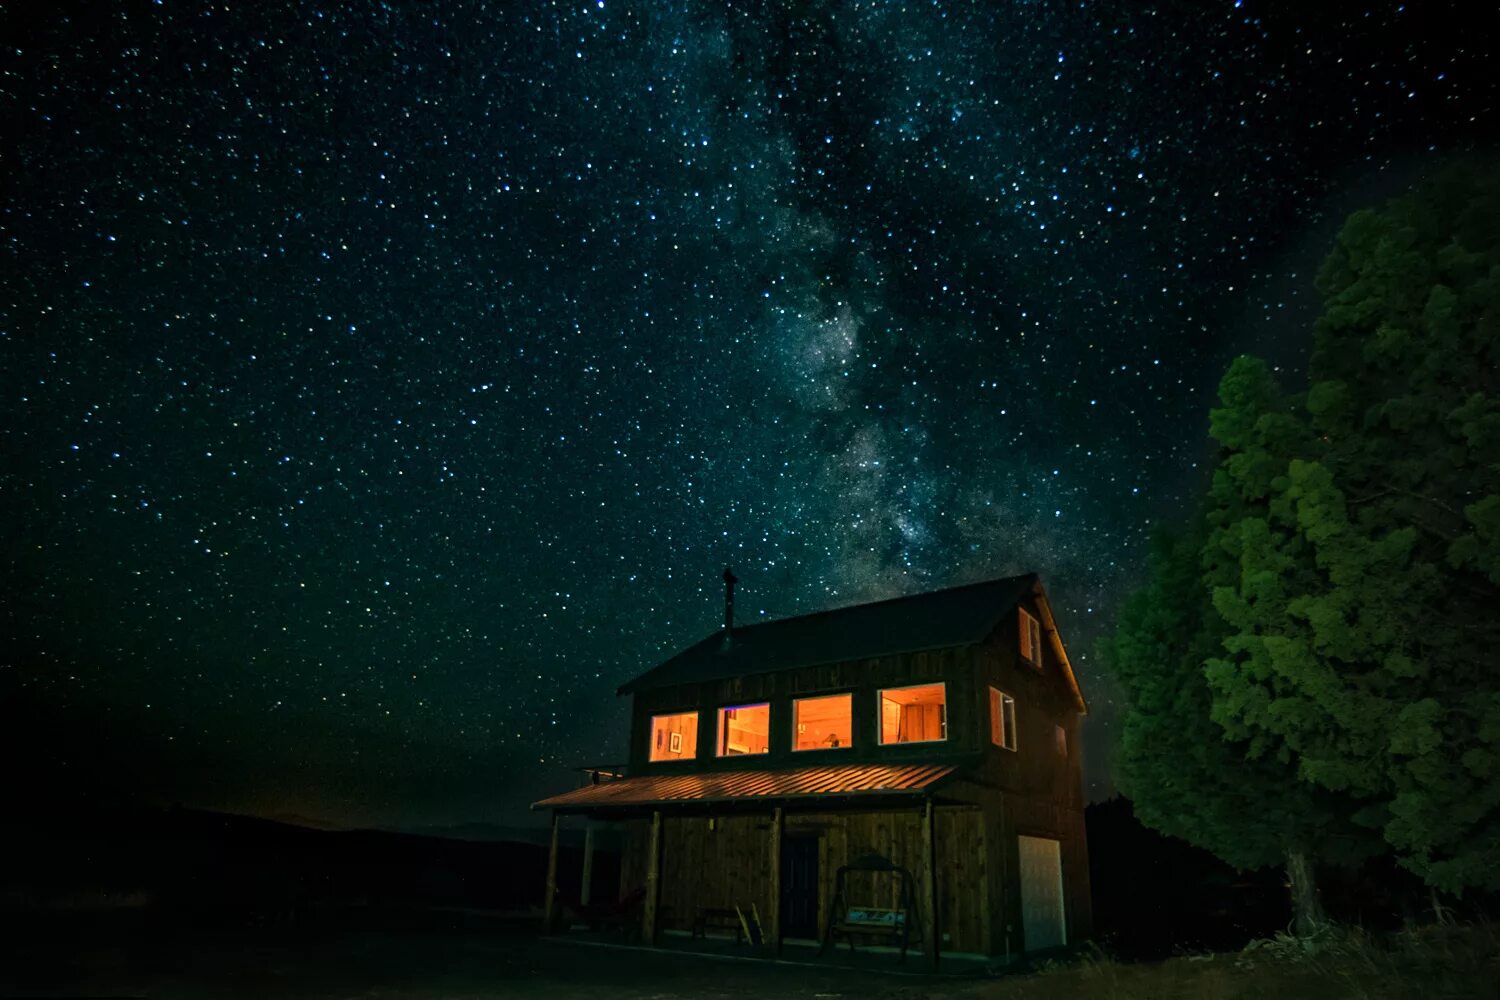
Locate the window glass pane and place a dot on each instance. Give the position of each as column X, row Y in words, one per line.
column 913, row 714
column 1002, row 719
column 674, row 737
column 744, row 729
column 823, row 723
column 1031, row 637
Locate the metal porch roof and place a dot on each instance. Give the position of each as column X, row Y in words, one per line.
column 733, row 786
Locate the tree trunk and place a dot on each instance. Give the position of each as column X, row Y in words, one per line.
column 1440, row 913
column 1307, row 905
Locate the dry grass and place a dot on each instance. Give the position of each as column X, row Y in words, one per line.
column 1433, row 963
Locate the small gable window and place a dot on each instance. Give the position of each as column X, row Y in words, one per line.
column 1061, row 735
column 744, row 729
column 916, row 714
column 1002, row 719
column 674, row 737
column 1031, row 638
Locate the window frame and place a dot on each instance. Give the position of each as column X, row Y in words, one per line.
column 880, row 714
column 1028, row 622
column 999, row 701
column 814, row 697
column 651, row 757
column 719, row 754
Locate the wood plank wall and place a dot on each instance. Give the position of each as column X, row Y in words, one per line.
column 718, row 862
column 1046, row 817
column 729, row 864
column 863, row 678
column 979, row 901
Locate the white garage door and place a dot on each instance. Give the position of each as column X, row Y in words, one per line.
column 1042, row 893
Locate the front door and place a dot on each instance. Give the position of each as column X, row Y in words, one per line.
column 799, row 887
column 1042, row 893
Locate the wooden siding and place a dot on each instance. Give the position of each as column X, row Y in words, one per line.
column 863, row 678
column 724, row 861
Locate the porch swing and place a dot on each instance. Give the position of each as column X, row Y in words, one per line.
column 848, row 920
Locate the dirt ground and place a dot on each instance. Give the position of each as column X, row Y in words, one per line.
column 468, row 961
column 430, row 964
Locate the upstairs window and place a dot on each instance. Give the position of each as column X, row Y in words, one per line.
column 916, row 714
column 674, row 737
column 1031, row 638
column 1061, row 736
column 744, row 729
column 825, row 723
column 1002, row 719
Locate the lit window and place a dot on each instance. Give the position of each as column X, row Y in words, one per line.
column 1002, row 719
column 1031, row 638
column 914, row 714
column 1062, row 740
column 823, row 723
column 674, row 737
column 744, row 729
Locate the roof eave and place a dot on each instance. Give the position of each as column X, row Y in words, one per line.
column 1050, row 623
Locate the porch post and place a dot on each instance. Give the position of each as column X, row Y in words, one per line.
column 653, row 881
column 588, row 863
column 778, row 821
column 929, row 850
column 549, row 905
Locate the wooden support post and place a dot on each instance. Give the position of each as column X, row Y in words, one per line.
column 584, row 895
column 778, row 822
column 653, row 882
column 929, row 850
column 549, row 905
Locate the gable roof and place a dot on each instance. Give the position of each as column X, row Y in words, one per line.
column 938, row 619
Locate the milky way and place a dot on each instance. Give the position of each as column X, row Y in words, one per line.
column 385, row 385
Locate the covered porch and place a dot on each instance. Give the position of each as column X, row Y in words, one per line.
column 707, row 855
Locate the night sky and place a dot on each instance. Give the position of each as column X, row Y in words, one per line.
column 385, row 384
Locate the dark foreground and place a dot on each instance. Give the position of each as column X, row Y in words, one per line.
column 458, row 962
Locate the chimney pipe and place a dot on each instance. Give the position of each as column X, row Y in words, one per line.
column 729, row 581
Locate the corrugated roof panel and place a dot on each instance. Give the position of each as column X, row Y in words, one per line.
column 727, row 786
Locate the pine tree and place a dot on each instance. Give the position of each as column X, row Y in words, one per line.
column 1184, row 777
column 1355, row 553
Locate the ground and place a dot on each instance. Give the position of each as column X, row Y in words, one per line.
column 486, row 961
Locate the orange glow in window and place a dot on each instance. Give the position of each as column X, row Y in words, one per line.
column 823, row 723
column 674, row 737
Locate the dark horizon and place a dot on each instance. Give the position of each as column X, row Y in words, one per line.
column 386, row 387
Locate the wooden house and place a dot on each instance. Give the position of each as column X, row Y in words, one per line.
column 938, row 732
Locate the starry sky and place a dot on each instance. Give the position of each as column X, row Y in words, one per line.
column 383, row 384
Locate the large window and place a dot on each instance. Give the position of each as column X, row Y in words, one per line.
column 914, row 714
column 1002, row 719
column 823, row 723
column 744, row 729
column 674, row 737
column 1031, row 638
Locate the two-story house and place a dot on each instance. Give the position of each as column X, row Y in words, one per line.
column 938, row 731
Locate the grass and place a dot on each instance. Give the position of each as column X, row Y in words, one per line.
column 1430, row 963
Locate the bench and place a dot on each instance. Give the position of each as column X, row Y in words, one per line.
column 873, row 920
column 718, row 918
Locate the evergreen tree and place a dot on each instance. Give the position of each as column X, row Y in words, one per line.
column 1355, row 550
column 1184, row 777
